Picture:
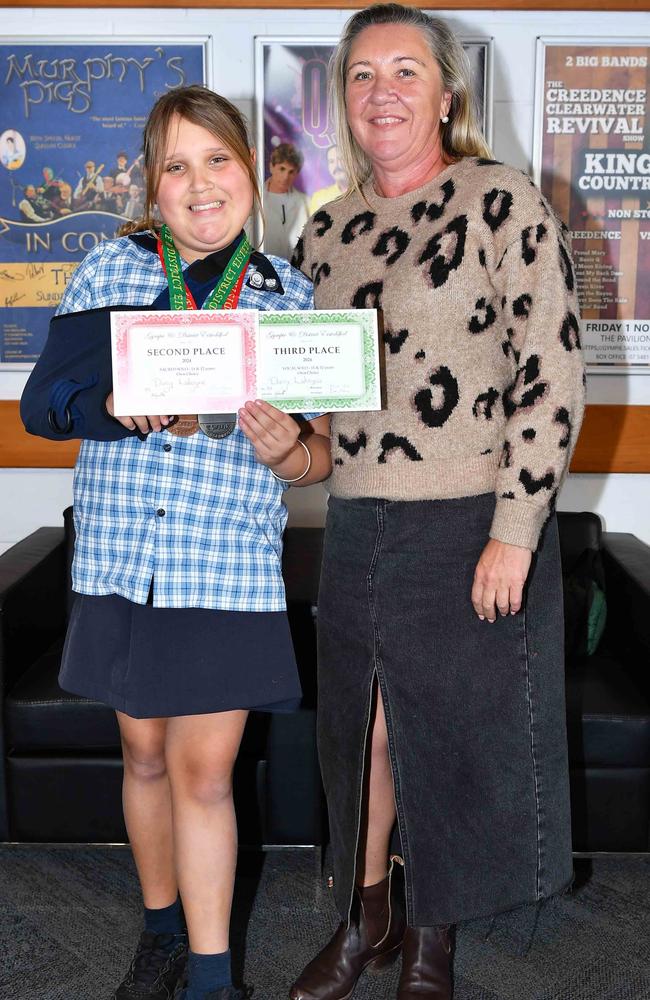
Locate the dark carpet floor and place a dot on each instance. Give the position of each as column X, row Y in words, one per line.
column 69, row 918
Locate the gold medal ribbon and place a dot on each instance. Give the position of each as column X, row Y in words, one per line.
column 224, row 296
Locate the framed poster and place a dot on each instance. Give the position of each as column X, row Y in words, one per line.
column 294, row 119
column 592, row 161
column 70, row 164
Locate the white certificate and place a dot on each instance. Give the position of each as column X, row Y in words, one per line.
column 183, row 362
column 323, row 358
column 209, row 361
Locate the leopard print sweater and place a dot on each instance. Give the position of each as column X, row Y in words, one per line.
column 484, row 373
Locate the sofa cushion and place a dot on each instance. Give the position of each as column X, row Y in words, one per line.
column 40, row 715
column 608, row 714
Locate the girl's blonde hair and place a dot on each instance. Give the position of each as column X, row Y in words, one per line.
column 202, row 107
column 461, row 136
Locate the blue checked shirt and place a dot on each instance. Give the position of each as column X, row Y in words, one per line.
column 201, row 517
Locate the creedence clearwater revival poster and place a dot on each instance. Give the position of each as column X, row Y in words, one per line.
column 71, row 124
column 593, row 164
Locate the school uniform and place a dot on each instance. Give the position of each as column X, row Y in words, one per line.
column 180, row 604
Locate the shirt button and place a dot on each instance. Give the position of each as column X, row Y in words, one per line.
column 160, row 512
column 167, row 447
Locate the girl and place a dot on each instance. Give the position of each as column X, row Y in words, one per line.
column 179, row 622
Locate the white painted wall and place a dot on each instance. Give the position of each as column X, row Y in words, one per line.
column 30, row 498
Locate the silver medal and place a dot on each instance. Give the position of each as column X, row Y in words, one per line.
column 217, row 425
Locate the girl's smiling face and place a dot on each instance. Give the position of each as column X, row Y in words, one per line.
column 204, row 195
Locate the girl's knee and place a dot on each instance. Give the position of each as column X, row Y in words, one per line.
column 206, row 783
column 144, row 756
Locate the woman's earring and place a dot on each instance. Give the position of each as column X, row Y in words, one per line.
column 445, row 119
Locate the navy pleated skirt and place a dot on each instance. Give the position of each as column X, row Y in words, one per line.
column 153, row 662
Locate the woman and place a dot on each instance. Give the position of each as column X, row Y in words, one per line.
column 179, row 620
column 440, row 666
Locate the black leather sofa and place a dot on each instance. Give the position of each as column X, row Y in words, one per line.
column 61, row 773
column 608, row 697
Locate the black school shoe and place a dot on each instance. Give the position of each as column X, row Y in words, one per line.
column 155, row 971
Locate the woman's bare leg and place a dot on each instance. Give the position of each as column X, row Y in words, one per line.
column 147, row 807
column 201, row 752
column 378, row 817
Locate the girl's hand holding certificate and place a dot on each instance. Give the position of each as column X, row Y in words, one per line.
column 276, row 438
column 143, row 424
column 272, row 433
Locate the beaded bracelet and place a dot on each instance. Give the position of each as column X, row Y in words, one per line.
column 302, row 474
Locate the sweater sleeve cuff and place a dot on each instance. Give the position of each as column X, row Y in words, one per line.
column 518, row 523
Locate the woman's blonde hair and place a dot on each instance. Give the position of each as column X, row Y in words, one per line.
column 202, row 107
column 461, row 136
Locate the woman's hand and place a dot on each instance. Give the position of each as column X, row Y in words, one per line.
column 143, row 424
column 499, row 579
column 273, row 435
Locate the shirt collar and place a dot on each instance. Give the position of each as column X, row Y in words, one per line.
column 214, row 264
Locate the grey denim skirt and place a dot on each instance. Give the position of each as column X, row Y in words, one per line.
column 475, row 711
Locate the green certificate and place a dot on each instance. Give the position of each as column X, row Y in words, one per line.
column 326, row 360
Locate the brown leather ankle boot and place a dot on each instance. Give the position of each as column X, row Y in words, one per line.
column 426, row 964
column 371, row 941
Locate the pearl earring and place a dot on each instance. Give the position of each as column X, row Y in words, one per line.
column 445, row 119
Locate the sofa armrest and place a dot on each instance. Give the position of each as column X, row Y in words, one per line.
column 32, row 600
column 32, row 614
column 627, row 573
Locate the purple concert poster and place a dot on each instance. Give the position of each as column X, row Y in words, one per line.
column 293, row 109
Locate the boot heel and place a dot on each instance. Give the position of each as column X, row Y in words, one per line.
column 382, row 963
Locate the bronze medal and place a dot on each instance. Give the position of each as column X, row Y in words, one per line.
column 184, row 425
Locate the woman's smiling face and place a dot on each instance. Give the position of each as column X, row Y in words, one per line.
column 394, row 96
column 204, row 195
